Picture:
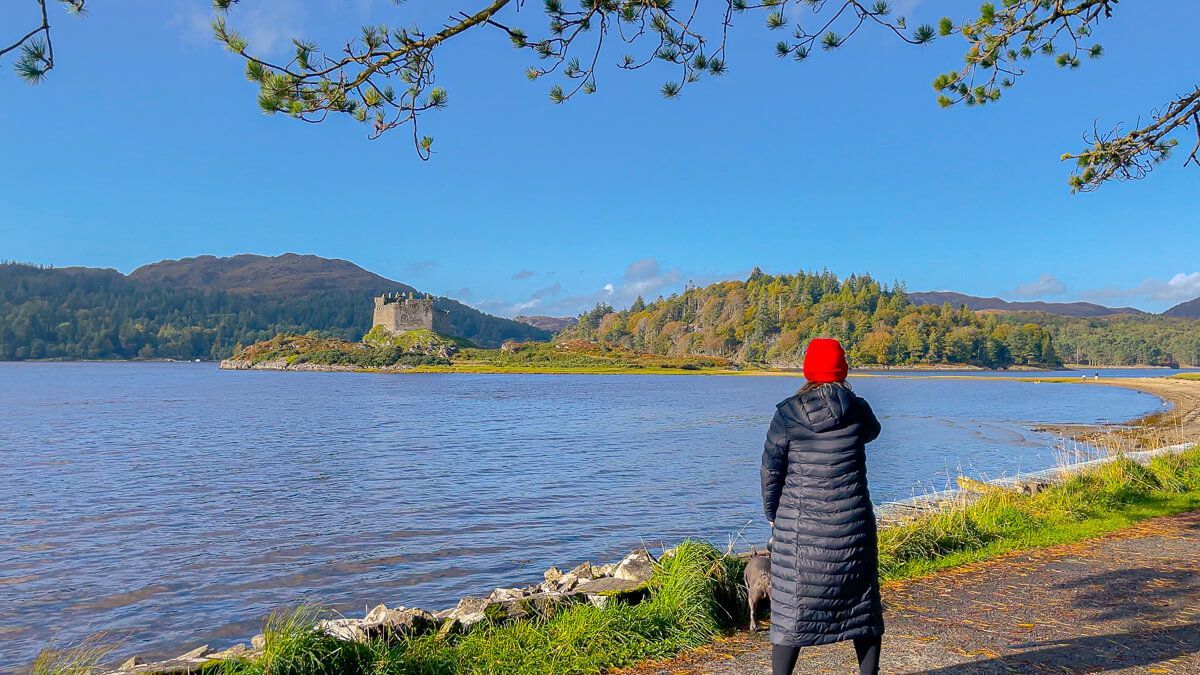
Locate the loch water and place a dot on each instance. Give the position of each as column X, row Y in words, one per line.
column 175, row 504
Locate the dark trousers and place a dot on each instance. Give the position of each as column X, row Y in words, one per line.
column 783, row 657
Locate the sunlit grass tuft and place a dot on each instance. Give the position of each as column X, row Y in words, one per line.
column 82, row 658
column 1099, row 500
column 686, row 607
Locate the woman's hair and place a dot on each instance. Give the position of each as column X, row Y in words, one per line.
column 809, row 386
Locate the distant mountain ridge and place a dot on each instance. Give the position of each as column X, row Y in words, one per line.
column 287, row 275
column 204, row 307
column 550, row 323
column 1074, row 309
column 1185, row 310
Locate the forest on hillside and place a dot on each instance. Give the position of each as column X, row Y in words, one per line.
column 81, row 313
column 768, row 319
column 1123, row 340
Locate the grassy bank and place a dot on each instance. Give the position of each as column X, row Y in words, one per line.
column 428, row 352
column 695, row 594
column 1096, row 502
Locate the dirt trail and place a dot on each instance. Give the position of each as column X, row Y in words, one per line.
column 1125, row 603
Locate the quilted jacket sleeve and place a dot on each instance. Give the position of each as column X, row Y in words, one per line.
column 870, row 423
column 774, row 465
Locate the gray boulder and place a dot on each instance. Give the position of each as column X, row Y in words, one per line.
column 584, row 571
column 505, row 594
column 380, row 622
column 469, row 611
column 637, row 566
column 567, row 583
column 601, row 591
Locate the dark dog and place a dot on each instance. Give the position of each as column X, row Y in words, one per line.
column 758, row 581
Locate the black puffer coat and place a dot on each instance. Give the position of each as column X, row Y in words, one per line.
column 824, row 557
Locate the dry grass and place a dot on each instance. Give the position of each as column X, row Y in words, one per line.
column 82, row 658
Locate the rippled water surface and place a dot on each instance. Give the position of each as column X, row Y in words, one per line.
column 176, row 504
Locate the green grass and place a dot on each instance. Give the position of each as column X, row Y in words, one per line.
column 426, row 352
column 420, row 349
column 695, row 594
column 1187, row 376
column 581, row 356
column 1102, row 500
column 413, row 340
column 82, row 658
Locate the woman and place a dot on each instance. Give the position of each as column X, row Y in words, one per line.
column 824, row 555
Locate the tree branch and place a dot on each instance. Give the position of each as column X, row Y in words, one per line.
column 37, row 47
column 358, row 80
column 1131, row 156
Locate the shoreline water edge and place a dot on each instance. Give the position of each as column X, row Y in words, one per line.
column 628, row 579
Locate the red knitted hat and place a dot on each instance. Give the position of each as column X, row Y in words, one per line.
column 825, row 361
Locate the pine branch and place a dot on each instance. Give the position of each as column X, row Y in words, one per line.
column 36, row 46
column 1121, row 157
column 1000, row 40
column 355, row 80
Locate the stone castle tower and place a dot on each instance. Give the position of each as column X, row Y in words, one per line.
column 398, row 313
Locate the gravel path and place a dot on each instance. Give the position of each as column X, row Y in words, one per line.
column 1126, row 603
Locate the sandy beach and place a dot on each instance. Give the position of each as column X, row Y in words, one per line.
column 1179, row 423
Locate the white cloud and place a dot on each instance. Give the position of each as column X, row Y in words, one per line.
column 1045, row 285
column 419, row 267
column 193, row 24
column 645, row 277
column 1180, row 287
column 534, row 301
column 267, row 25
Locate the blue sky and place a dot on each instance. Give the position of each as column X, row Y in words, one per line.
column 146, row 143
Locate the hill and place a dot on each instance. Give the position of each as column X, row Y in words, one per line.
column 769, row 319
column 284, row 276
column 204, row 307
column 1076, row 309
column 1121, row 339
column 550, row 323
column 1185, row 310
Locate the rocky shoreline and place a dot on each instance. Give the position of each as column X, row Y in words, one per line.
column 625, row 580
column 303, row 367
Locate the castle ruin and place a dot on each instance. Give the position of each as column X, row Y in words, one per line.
column 398, row 313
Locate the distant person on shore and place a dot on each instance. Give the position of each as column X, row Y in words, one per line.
column 824, row 551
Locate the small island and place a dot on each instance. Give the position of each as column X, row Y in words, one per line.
column 409, row 335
